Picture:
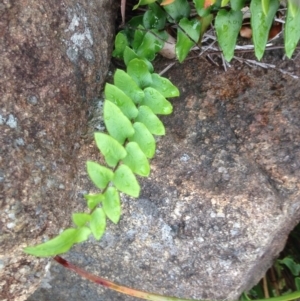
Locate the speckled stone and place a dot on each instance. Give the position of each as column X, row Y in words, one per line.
column 54, row 57
column 222, row 196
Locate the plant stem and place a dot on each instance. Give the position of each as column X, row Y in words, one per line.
column 119, row 288
column 141, row 294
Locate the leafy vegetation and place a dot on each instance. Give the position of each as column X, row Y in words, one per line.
column 130, row 112
column 227, row 18
column 138, row 95
column 284, row 276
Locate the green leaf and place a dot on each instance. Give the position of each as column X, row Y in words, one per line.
column 124, row 82
column 291, row 264
column 261, row 25
column 129, row 55
column 156, row 102
column 126, row 182
column 93, row 199
column 154, row 17
column 138, row 37
column 293, row 6
column 117, row 124
column 82, row 234
column 98, row 223
column 112, row 205
column 205, row 23
column 133, row 24
column 178, row 9
column 111, row 149
column 188, row 38
column 164, row 86
column 120, row 43
column 265, row 6
column 291, row 29
column 61, row 243
column 201, row 11
column 119, row 98
column 297, row 283
column 228, row 25
column 151, row 121
column 153, row 42
column 138, row 70
column 80, row 219
column 136, row 160
column 237, row 4
column 99, row 175
column 224, row 2
column 143, row 2
column 144, row 139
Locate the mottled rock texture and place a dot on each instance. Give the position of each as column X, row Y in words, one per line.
column 221, row 199
column 54, row 57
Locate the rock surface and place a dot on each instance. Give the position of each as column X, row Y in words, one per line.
column 54, row 56
column 222, row 196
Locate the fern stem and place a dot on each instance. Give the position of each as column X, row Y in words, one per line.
column 119, row 288
column 141, row 294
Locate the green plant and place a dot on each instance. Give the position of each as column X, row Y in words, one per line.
column 227, row 17
column 274, row 283
column 130, row 109
column 293, row 267
column 146, row 295
column 135, row 99
column 283, row 277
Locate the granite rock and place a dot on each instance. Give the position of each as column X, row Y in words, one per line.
column 54, row 56
column 221, row 199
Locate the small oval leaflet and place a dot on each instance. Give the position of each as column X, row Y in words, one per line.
column 111, row 149
column 93, row 200
column 61, row 243
column 144, row 139
column 112, row 204
column 119, row 98
column 153, row 42
column 117, row 124
column 136, row 160
column 138, row 35
column 164, row 86
column 129, row 55
column 98, row 223
column 156, row 102
column 99, row 174
column 151, row 121
column 121, row 42
column 139, row 72
column 154, row 17
column 126, row 182
column 80, row 219
column 124, row 82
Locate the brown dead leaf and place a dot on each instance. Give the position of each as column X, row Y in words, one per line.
column 246, row 32
column 275, row 30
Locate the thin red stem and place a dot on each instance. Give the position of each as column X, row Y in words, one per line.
column 119, row 288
